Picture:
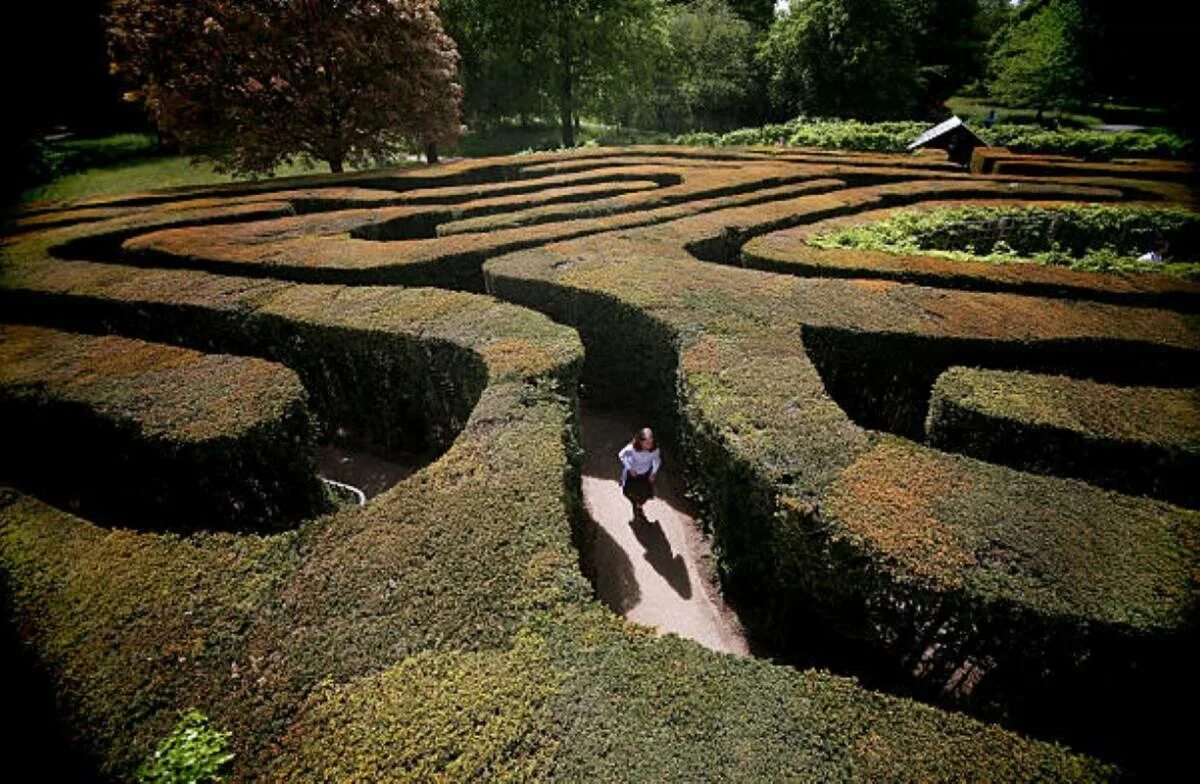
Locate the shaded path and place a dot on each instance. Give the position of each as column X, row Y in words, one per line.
column 654, row 572
column 364, row 470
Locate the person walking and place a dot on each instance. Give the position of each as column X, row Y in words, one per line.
column 640, row 462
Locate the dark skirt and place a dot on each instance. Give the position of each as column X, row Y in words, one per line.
column 638, row 488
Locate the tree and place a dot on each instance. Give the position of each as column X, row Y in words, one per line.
column 950, row 45
column 706, row 79
column 759, row 13
column 1039, row 61
column 562, row 55
column 255, row 83
column 843, row 58
column 499, row 78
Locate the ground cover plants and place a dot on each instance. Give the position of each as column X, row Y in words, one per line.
column 895, row 136
column 1096, row 238
column 446, row 628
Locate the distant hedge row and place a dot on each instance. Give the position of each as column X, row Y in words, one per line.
column 896, row 136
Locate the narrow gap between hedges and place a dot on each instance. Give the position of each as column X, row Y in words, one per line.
column 658, row 572
column 371, row 473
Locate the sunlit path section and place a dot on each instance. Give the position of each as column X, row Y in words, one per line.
column 654, row 572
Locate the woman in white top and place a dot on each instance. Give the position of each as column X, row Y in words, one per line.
column 640, row 461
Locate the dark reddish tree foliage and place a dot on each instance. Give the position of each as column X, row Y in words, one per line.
column 254, row 83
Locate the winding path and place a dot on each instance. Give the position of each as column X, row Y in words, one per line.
column 656, row 572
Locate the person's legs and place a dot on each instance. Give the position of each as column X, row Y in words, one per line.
column 635, row 490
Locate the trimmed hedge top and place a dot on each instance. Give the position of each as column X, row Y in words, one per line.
column 1150, row 415
column 960, row 524
column 1139, row 440
column 155, row 435
column 164, row 392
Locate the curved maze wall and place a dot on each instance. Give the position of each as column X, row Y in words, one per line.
column 446, row 628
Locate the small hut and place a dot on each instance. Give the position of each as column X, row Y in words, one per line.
column 954, row 137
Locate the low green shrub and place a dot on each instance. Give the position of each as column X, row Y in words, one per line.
column 806, row 132
column 896, row 136
column 1097, row 238
column 194, row 753
column 1092, row 145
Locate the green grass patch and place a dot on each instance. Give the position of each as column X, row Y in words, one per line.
column 134, row 162
column 508, row 139
column 144, row 174
column 975, row 110
column 1090, row 237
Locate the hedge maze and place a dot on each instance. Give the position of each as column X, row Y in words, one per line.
column 977, row 477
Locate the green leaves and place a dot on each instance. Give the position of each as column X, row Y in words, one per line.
column 1039, row 62
column 1097, row 238
column 257, row 84
column 194, row 753
column 894, row 136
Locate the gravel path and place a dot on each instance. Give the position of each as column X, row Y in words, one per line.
column 656, row 573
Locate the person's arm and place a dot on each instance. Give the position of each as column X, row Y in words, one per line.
column 626, row 457
column 655, row 464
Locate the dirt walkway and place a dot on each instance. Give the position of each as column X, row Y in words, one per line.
column 655, row 573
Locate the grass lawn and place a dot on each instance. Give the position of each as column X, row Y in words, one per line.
column 974, row 110
column 129, row 162
column 137, row 175
column 510, row 139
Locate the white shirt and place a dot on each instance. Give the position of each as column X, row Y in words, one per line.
column 1151, row 256
column 638, row 462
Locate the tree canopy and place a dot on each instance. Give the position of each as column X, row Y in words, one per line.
column 523, row 56
column 254, row 83
column 843, row 58
column 707, row 81
column 1040, row 58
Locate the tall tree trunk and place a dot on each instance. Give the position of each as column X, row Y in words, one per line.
column 336, row 165
column 431, row 153
column 566, row 107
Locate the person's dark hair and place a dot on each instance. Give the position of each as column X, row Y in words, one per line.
column 644, row 433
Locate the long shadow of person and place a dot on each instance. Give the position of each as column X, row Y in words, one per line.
column 658, row 554
column 612, row 571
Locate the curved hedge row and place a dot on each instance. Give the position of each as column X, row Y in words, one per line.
column 151, row 434
column 293, row 609
column 819, row 249
column 1003, row 161
column 445, row 629
column 1140, row 440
